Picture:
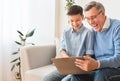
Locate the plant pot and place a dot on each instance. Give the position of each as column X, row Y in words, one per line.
column 17, row 75
column 18, row 79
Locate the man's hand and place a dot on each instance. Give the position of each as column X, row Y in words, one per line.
column 88, row 64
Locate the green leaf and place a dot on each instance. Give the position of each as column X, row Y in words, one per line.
column 20, row 37
column 29, row 34
column 19, row 58
column 18, row 43
column 14, row 53
column 18, row 64
column 69, row 3
column 31, row 43
column 13, row 67
column 14, row 60
column 20, row 33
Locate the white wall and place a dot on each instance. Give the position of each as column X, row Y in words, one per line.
column 41, row 17
column 111, row 6
column 61, row 18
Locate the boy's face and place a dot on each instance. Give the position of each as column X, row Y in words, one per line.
column 75, row 21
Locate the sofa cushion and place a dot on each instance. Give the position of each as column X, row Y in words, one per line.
column 39, row 73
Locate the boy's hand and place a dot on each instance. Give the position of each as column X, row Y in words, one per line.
column 64, row 54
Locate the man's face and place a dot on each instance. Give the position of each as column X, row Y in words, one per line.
column 75, row 21
column 95, row 18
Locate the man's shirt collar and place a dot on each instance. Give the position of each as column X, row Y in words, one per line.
column 106, row 24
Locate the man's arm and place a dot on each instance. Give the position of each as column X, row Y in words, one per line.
column 89, row 43
column 113, row 61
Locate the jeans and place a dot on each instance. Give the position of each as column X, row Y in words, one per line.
column 66, row 78
column 98, row 75
column 56, row 76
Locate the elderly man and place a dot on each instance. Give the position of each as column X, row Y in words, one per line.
column 106, row 46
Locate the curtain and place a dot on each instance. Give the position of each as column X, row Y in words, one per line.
column 1, row 41
column 23, row 15
column 11, row 20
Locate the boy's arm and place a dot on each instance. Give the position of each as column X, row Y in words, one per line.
column 63, row 46
column 63, row 53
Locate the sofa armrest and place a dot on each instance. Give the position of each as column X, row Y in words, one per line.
column 36, row 56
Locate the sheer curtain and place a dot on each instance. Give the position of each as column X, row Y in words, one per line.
column 1, row 41
column 11, row 14
column 23, row 15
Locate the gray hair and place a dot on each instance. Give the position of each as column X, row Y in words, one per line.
column 95, row 4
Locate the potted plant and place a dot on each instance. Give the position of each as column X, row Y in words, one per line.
column 69, row 3
column 16, row 61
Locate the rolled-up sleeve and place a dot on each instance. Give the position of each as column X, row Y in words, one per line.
column 89, row 43
column 63, row 42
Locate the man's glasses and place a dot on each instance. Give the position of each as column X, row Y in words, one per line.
column 93, row 17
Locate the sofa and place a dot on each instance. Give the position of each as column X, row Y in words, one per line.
column 36, row 61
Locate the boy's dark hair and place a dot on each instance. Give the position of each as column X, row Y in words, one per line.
column 75, row 9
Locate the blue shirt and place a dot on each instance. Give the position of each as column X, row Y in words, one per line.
column 107, row 45
column 77, row 43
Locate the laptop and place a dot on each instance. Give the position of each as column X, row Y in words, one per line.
column 67, row 65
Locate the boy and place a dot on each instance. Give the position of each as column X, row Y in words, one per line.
column 77, row 40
